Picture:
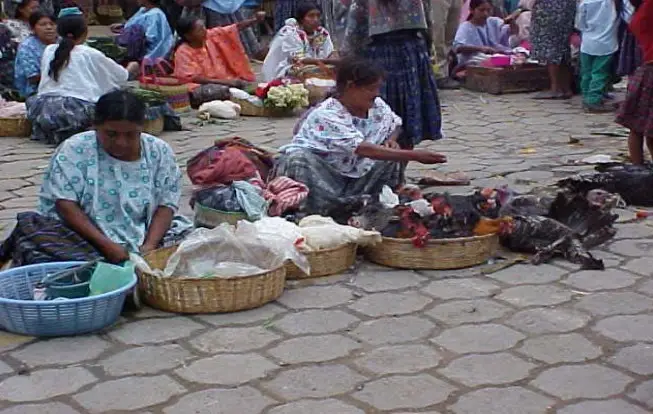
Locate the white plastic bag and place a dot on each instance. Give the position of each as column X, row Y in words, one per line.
column 388, row 198
column 323, row 233
column 422, row 207
column 220, row 109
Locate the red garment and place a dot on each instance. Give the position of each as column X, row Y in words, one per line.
column 214, row 166
column 285, row 194
column 642, row 28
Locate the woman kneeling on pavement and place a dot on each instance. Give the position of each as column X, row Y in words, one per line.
column 106, row 193
column 347, row 145
column 212, row 60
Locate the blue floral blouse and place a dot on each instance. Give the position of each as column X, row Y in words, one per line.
column 120, row 197
column 332, row 132
column 27, row 65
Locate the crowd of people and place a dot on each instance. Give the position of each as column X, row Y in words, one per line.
column 118, row 189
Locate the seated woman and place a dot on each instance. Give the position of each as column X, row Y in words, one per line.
column 27, row 69
column 300, row 47
column 347, row 145
column 212, row 60
column 19, row 25
column 147, row 34
column 73, row 77
column 482, row 35
column 106, row 193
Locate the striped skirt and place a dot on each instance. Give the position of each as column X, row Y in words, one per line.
column 630, row 55
column 409, row 88
column 636, row 112
column 56, row 118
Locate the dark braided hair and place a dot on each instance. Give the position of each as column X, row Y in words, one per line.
column 71, row 29
column 359, row 71
column 119, row 105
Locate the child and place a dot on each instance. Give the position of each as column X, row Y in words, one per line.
column 636, row 112
column 598, row 22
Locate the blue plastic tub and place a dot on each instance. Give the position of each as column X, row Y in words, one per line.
column 22, row 315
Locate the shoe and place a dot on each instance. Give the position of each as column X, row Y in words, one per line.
column 448, row 83
column 598, row 109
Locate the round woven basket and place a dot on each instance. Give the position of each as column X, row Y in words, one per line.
column 207, row 295
column 210, row 218
column 249, row 109
column 438, row 254
column 325, row 262
column 154, row 126
column 17, row 127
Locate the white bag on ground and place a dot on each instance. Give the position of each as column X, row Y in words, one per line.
column 323, row 233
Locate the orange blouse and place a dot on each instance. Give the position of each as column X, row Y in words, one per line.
column 222, row 57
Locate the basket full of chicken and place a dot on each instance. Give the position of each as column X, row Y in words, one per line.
column 441, row 231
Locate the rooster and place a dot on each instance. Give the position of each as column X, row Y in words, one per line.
column 413, row 227
column 485, row 226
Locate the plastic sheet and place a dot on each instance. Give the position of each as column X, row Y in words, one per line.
column 108, row 277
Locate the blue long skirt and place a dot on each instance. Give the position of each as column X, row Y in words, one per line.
column 409, row 88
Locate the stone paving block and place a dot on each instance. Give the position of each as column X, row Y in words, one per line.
column 602, row 407
column 592, row 280
column 511, row 400
column 548, row 320
column 487, row 369
column 243, row 399
column 641, row 265
column 554, row 349
column 632, row 248
column 468, row 311
column 488, row 337
column 393, row 330
column 627, row 328
column 155, row 331
column 44, row 384
column 538, row 295
column 61, row 351
column 637, row 358
column 145, row 360
column 315, row 322
column 392, row 280
column 614, row 303
column 234, row 339
column 329, row 406
column 406, row 392
column 646, row 288
column 130, row 393
column 400, row 359
column 5, row 369
column 261, row 314
column 47, row 408
column 461, row 288
column 313, row 349
column 529, row 275
column 314, row 382
column 316, row 297
column 227, row 369
column 644, row 394
column 376, row 304
column 581, row 381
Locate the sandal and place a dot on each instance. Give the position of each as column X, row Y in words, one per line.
column 547, row 95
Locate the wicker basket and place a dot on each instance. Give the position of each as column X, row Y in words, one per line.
column 214, row 295
column 249, row 109
column 154, row 126
column 325, row 262
column 18, row 127
column 440, row 254
column 210, row 218
column 510, row 79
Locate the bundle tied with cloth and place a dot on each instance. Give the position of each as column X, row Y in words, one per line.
column 230, row 176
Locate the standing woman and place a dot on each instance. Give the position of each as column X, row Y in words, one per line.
column 552, row 24
column 226, row 13
column 392, row 34
column 73, row 78
column 148, row 26
column 630, row 54
column 27, row 69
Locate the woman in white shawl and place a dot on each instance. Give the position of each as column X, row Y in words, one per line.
column 301, row 47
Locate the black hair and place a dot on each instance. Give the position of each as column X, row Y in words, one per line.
column 473, row 4
column 20, row 6
column 185, row 25
column 119, row 105
column 304, row 8
column 71, row 29
column 35, row 17
column 359, row 71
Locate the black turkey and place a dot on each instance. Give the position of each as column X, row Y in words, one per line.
column 634, row 183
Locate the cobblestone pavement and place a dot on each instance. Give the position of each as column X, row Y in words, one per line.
column 523, row 340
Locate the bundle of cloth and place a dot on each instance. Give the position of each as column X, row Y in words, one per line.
column 231, row 176
column 567, row 225
column 11, row 109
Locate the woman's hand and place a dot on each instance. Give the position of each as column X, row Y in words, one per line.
column 115, row 253
column 146, row 248
column 429, row 157
column 116, row 28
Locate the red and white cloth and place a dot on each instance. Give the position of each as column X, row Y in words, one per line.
column 284, row 194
